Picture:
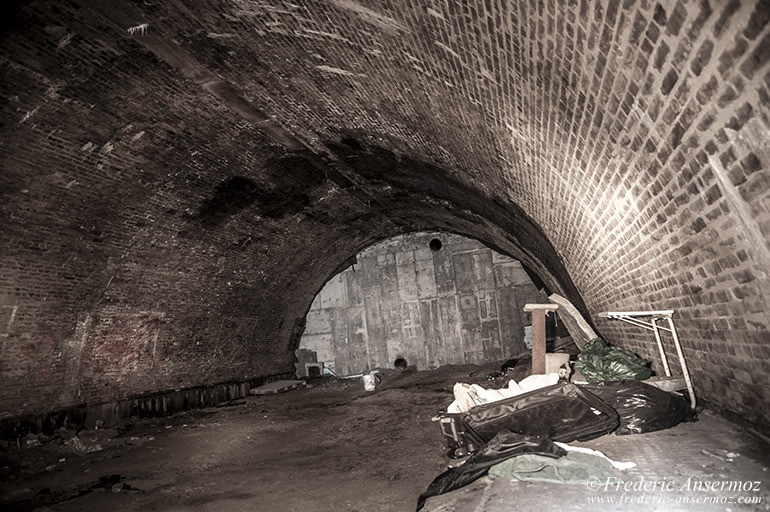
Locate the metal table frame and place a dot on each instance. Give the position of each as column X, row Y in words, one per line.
column 636, row 318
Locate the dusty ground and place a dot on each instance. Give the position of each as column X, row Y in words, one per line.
column 330, row 447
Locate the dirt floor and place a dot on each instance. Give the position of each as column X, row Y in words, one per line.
column 332, row 446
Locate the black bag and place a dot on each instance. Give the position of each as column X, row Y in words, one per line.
column 641, row 406
column 502, row 447
column 562, row 412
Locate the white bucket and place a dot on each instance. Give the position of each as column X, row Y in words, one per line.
column 369, row 382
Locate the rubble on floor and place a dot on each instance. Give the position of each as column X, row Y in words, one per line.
column 279, row 386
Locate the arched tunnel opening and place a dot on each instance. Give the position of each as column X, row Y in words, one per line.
column 180, row 182
column 401, row 303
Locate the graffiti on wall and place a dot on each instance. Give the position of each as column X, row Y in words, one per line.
column 126, row 343
column 41, row 358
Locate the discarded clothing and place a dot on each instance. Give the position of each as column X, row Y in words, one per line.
column 503, row 446
column 576, row 468
column 534, row 382
column 468, row 396
column 599, row 362
column 622, row 466
column 642, row 407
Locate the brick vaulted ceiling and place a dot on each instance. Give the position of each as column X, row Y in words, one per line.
column 179, row 179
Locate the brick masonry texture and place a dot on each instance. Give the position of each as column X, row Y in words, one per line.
column 461, row 303
column 179, row 179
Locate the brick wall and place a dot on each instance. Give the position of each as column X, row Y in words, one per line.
column 173, row 196
column 457, row 303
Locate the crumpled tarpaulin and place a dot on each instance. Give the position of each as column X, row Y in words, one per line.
column 599, row 362
column 576, row 468
column 503, row 446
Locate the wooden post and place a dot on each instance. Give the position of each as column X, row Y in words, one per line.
column 538, row 334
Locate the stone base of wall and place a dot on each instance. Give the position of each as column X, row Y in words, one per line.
column 738, row 419
column 144, row 406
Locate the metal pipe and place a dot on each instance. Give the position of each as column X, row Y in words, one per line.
column 660, row 347
column 639, row 323
column 664, row 312
column 633, row 321
column 682, row 362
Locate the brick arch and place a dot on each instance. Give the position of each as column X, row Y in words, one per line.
column 404, row 209
column 633, row 135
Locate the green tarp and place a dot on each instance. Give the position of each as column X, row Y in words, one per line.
column 574, row 468
column 600, row 363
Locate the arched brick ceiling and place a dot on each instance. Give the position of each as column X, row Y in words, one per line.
column 208, row 164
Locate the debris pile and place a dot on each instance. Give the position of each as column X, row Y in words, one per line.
column 518, row 431
column 526, row 458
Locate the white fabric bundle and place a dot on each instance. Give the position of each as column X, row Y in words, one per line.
column 471, row 395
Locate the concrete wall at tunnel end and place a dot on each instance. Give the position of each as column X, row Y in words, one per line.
column 429, row 298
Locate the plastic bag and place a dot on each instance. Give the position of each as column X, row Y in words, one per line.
column 642, row 407
column 599, row 363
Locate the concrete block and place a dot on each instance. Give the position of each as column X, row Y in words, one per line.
column 388, row 279
column 510, row 273
column 511, row 325
column 431, row 328
column 426, row 278
column 482, row 270
column 407, row 277
column 334, row 294
column 423, row 253
column 322, row 345
column 318, row 322
column 490, row 339
column 488, row 305
column 443, row 267
column 357, row 336
column 368, row 268
column 469, row 321
column 377, row 329
column 553, row 361
column 450, row 330
column 463, row 270
column 353, row 288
